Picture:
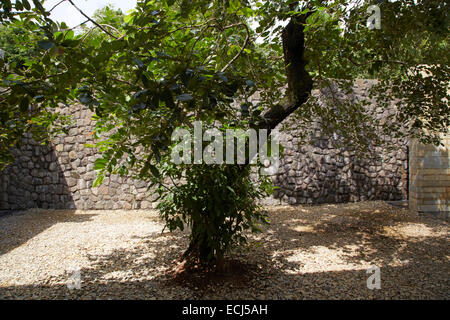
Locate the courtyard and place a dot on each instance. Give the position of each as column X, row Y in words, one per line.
column 307, row 252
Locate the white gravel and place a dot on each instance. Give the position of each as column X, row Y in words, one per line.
column 308, row 252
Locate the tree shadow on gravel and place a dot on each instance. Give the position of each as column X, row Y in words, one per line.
column 376, row 235
column 300, row 256
column 20, row 227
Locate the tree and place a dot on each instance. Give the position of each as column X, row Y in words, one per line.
column 17, row 114
column 173, row 62
column 13, row 40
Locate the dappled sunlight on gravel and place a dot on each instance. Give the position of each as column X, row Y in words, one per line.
column 308, row 252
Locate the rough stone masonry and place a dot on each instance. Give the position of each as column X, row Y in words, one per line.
column 61, row 175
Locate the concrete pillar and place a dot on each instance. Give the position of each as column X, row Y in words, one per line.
column 429, row 178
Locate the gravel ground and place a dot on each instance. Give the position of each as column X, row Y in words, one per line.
column 308, row 252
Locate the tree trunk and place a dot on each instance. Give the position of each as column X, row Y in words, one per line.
column 300, row 83
column 198, row 250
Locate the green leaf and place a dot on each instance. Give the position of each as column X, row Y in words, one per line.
column 222, row 77
column 24, row 104
column 85, row 98
column 58, row 36
column 138, row 62
column 39, row 98
column 18, row 5
column 70, row 35
column 100, row 164
column 98, row 181
column 185, row 97
column 45, row 44
column 128, row 18
column 39, row 6
column 26, row 4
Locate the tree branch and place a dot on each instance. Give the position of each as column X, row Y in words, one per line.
column 56, row 5
column 247, row 38
column 175, row 30
column 124, row 82
column 378, row 60
column 300, row 83
column 95, row 23
column 77, row 26
column 111, row 27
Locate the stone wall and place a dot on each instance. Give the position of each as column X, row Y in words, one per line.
column 322, row 173
column 429, row 182
column 35, row 180
column 61, row 175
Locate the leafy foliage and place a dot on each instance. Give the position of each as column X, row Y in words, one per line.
column 218, row 203
column 14, row 41
column 408, row 55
